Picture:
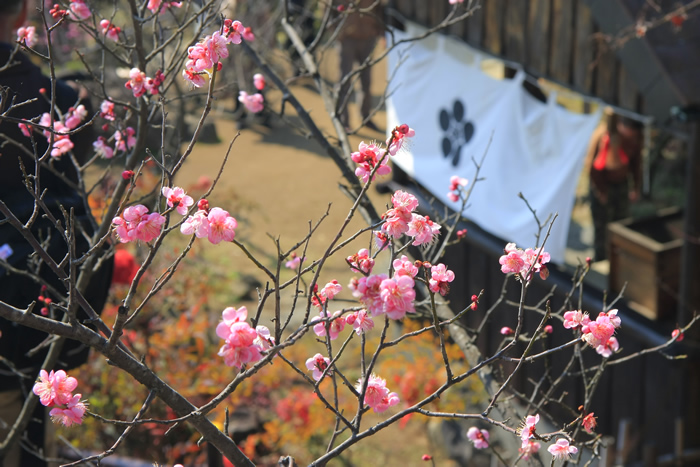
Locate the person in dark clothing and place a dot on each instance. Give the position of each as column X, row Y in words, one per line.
column 20, row 83
column 614, row 168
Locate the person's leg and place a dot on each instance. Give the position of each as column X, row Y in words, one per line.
column 599, row 216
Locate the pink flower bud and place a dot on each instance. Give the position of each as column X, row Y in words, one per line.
column 427, row 457
column 127, row 174
column 203, row 204
column 506, row 331
column 679, row 334
column 548, row 329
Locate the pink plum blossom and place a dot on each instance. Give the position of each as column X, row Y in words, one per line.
column 158, row 6
column 404, row 201
column 361, row 321
column 196, row 224
column 608, row 348
column 294, row 261
column 27, row 35
column 368, row 157
column 242, row 343
column 511, row 263
column 54, row 388
column 367, row 290
column 377, row 395
column 247, row 34
column 561, row 449
column 528, row 429
column 404, row 267
column 318, row 364
column 75, row 116
column 136, row 223
column 254, row 103
column 335, row 327
column 331, row 289
column 589, row 423
column 528, row 449
column 480, row 438
column 440, row 279
column 125, row 139
column 397, row 295
column 176, row 197
column 137, row 82
column 264, row 341
column 79, row 10
column 598, row 333
column 72, row 412
column 361, row 261
column 423, row 230
column 220, row 226
column 233, row 31
column 398, row 135
column 102, row 149
column 107, row 110
column 575, row 319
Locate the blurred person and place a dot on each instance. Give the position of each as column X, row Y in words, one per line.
column 615, row 173
column 357, row 38
column 22, row 81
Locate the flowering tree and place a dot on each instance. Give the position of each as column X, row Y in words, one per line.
column 172, row 51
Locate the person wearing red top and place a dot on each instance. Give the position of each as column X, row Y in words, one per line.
column 613, row 161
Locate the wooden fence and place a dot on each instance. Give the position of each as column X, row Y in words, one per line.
column 554, row 39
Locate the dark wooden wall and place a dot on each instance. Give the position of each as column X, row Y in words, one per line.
column 651, row 391
column 552, row 39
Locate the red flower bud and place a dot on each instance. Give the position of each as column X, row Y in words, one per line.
column 427, row 457
column 127, row 174
column 203, row 204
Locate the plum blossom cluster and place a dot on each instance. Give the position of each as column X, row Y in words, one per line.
column 440, row 279
column 368, row 157
column 26, row 35
column 159, row 6
column 520, row 262
column 215, row 224
column 110, row 31
column 401, row 220
column 242, row 343
column 599, row 333
column 62, row 143
column 377, row 395
column 123, row 140
column 136, row 223
column 55, row 389
column 457, row 185
column 140, row 84
column 254, row 103
column 206, row 54
column 361, row 261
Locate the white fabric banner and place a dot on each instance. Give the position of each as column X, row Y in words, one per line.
column 536, row 148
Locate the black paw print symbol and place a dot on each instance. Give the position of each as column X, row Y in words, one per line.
column 457, row 131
